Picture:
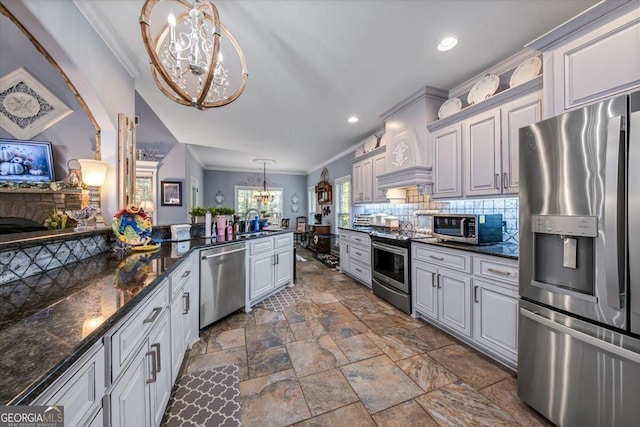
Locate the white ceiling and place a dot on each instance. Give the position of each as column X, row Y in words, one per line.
column 314, row 63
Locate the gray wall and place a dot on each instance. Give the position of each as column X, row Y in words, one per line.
column 225, row 182
column 337, row 169
column 151, row 133
column 74, row 136
column 172, row 168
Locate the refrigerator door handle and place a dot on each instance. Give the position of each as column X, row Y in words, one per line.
column 612, row 229
column 634, row 206
column 581, row 336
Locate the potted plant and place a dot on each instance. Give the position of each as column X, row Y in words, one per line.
column 197, row 214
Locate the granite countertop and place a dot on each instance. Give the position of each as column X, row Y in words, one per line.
column 504, row 250
column 37, row 346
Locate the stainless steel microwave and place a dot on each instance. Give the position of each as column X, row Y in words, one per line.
column 474, row 229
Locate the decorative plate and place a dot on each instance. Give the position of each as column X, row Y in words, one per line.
column 294, row 208
column 219, row 198
column 370, row 143
column 132, row 227
column 295, row 198
column 526, row 71
column 449, row 107
column 483, row 89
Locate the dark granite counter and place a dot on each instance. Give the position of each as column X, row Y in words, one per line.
column 76, row 306
column 34, row 238
column 504, row 250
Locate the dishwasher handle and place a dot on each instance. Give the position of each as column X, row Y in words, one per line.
column 219, row 254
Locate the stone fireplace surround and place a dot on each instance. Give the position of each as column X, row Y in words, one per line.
column 36, row 205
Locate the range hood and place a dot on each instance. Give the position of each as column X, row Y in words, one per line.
column 408, row 158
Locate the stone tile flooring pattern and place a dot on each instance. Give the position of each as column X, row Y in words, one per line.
column 340, row 356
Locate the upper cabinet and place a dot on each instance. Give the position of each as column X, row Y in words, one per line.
column 447, row 161
column 363, row 178
column 591, row 57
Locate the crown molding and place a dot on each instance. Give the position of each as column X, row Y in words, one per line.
column 422, row 93
column 254, row 170
column 101, row 25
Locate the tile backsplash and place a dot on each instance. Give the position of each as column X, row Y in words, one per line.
column 508, row 207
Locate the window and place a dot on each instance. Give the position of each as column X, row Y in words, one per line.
column 146, row 184
column 245, row 200
column 343, row 201
column 313, row 203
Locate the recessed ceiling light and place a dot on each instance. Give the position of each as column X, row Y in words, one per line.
column 352, row 119
column 447, row 44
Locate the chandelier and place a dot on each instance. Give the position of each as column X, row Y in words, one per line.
column 263, row 197
column 187, row 64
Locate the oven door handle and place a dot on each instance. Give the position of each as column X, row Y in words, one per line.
column 389, row 248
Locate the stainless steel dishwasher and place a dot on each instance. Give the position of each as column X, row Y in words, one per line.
column 222, row 282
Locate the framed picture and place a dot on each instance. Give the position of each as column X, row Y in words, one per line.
column 171, row 193
column 27, row 108
column 22, row 161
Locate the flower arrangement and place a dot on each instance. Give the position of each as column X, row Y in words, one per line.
column 56, row 221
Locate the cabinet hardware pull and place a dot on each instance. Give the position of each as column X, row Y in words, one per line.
column 497, row 180
column 358, row 270
column 186, row 273
column 436, row 258
column 439, row 286
column 347, row 249
column 154, row 376
column 277, row 258
column 433, row 280
column 154, row 314
column 475, row 294
column 187, row 299
column 505, row 181
column 504, row 273
column 157, row 347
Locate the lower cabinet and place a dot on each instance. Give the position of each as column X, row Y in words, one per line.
column 473, row 297
column 355, row 255
column 184, row 324
column 270, row 265
column 140, row 395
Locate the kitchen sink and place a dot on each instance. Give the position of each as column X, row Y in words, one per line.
column 252, row 234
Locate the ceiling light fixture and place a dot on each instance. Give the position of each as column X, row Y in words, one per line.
column 263, row 197
column 447, row 44
column 352, row 119
column 187, row 64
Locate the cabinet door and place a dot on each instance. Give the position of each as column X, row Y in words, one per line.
column 160, row 389
column 379, row 167
column 344, row 257
column 130, row 400
column 425, row 291
column 517, row 114
column 357, row 182
column 191, row 321
column 178, row 348
column 447, row 162
column 283, row 267
column 495, row 320
column 482, row 154
column 454, row 300
column 367, row 181
column 261, row 279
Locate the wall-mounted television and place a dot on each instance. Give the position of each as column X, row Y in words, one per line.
column 26, row 161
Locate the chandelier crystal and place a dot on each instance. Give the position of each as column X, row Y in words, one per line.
column 187, row 64
column 263, row 197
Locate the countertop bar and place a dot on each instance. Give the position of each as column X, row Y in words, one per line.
column 37, row 349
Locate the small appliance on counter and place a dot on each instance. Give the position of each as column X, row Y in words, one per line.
column 391, row 221
column 474, row 229
column 180, row 232
column 378, row 219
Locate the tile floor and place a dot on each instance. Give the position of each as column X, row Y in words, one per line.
column 340, row 356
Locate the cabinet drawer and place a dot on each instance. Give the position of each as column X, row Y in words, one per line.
column 262, row 245
column 132, row 332
column 494, row 268
column 360, row 238
column 451, row 259
column 181, row 274
column 344, row 236
column 361, row 254
column 284, row 241
column 360, row 271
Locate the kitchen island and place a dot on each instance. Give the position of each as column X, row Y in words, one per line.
column 39, row 345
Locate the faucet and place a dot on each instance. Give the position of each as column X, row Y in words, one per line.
column 246, row 218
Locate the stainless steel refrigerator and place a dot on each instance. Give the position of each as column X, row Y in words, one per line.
column 579, row 322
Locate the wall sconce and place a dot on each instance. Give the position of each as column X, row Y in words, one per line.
column 94, row 174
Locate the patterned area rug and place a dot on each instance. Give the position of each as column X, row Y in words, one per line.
column 205, row 398
column 329, row 260
column 281, row 300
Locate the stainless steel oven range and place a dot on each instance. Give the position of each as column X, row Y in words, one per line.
column 391, row 269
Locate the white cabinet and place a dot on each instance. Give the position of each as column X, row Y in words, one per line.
column 363, row 181
column 344, row 251
column 270, row 265
column 595, row 64
column 79, row 389
column 491, row 142
column 184, row 312
column 447, row 162
column 356, row 247
column 379, row 167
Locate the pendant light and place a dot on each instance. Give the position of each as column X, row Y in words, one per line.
column 263, row 197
